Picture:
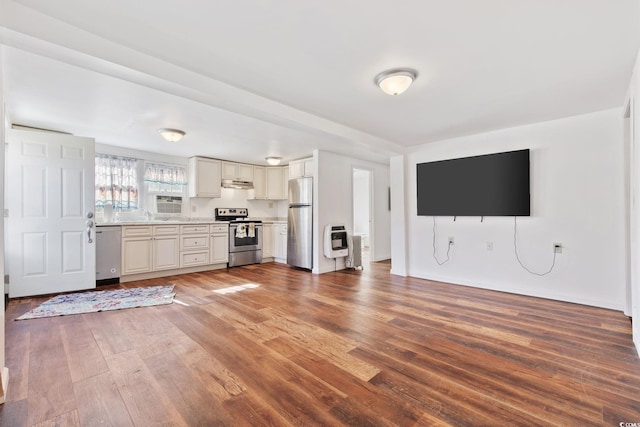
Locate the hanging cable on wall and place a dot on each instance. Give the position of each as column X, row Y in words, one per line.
column 515, row 247
column 434, row 246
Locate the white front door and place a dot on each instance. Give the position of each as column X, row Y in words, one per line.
column 50, row 201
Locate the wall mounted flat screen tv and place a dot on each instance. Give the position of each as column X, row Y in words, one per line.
column 488, row 185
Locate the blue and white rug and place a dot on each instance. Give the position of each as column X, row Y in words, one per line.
column 90, row 302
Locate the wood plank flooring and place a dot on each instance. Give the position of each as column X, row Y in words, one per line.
column 348, row 348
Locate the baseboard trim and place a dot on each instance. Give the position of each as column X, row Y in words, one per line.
column 174, row 272
column 4, row 379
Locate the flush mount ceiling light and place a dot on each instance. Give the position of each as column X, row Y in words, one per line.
column 273, row 161
column 171, row 135
column 396, row 81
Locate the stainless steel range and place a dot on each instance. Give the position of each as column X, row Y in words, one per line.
column 245, row 236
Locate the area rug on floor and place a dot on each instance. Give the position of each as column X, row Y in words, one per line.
column 89, row 302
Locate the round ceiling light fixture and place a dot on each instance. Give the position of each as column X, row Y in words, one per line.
column 273, row 161
column 171, row 135
column 396, row 81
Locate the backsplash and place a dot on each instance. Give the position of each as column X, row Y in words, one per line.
column 231, row 198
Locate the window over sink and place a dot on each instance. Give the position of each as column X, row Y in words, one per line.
column 116, row 182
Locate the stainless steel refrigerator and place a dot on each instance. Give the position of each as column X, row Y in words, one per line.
column 300, row 228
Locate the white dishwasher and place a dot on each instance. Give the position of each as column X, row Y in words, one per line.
column 108, row 248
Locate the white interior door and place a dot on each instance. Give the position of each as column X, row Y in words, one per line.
column 50, row 199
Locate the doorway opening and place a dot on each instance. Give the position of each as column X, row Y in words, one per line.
column 362, row 210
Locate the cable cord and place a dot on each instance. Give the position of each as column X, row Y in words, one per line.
column 515, row 248
column 434, row 246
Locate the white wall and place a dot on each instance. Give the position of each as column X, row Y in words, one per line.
column 333, row 204
column 634, row 185
column 4, row 372
column 361, row 202
column 398, row 216
column 577, row 197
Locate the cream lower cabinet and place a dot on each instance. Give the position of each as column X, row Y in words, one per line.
column 137, row 249
column 150, row 248
column 219, row 244
column 280, row 247
column 166, row 253
column 147, row 248
column 137, row 255
column 274, row 242
column 166, row 247
column 267, row 240
column 194, row 245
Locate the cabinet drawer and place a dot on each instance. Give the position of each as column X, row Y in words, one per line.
column 137, row 231
column 165, row 230
column 194, row 229
column 219, row 229
column 189, row 243
column 191, row 259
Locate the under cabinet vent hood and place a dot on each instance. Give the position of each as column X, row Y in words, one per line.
column 237, row 184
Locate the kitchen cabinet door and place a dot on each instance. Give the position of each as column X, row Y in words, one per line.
column 275, row 183
column 245, row 172
column 296, row 169
column 259, row 191
column 301, row 168
column 308, row 166
column 219, row 248
column 237, row 171
column 137, row 255
column 280, row 251
column 204, row 177
column 285, row 183
column 267, row 240
column 166, row 252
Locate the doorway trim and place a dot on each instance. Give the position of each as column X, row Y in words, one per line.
column 371, row 232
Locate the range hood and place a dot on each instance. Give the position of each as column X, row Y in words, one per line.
column 237, row 184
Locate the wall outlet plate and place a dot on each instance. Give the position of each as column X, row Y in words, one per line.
column 557, row 248
column 489, row 246
column 451, row 242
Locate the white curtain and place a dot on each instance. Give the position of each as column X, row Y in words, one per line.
column 165, row 178
column 116, row 182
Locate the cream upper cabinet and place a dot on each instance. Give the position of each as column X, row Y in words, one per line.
column 204, row 177
column 239, row 171
column 276, row 183
column 301, row 168
column 296, row 169
column 308, row 166
column 259, row 183
column 285, row 183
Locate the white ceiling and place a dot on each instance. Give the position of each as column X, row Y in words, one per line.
column 251, row 79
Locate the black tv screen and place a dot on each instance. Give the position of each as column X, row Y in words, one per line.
column 488, row 185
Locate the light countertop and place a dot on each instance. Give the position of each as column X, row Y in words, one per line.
column 186, row 221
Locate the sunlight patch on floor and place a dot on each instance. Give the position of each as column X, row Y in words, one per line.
column 234, row 289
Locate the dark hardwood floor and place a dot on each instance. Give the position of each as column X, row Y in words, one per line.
column 348, row 348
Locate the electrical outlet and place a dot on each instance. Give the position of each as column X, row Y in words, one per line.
column 557, row 248
column 270, row 205
column 451, row 242
column 489, row 246
column 194, row 208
